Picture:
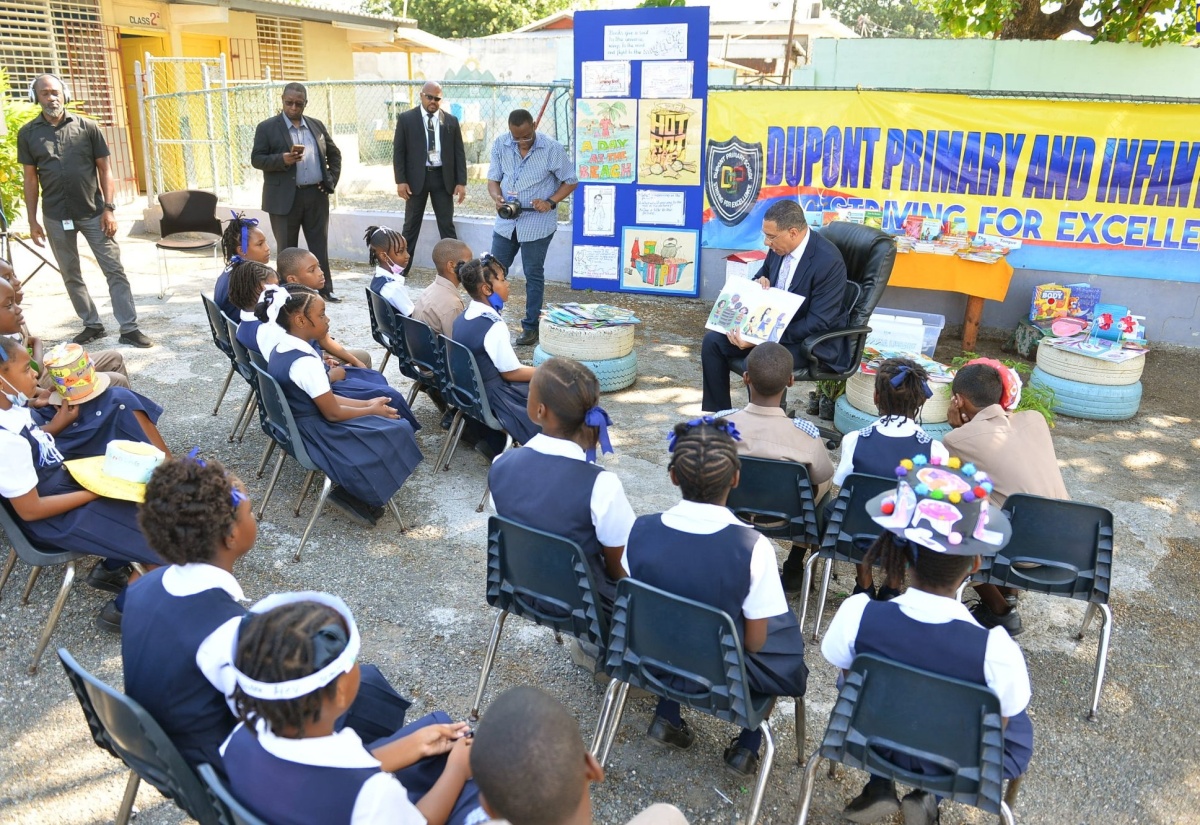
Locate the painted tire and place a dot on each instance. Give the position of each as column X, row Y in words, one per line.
column 612, row 373
column 860, row 392
column 586, row 344
column 1096, row 402
column 848, row 419
column 1079, row 368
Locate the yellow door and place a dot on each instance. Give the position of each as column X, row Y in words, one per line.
column 133, row 49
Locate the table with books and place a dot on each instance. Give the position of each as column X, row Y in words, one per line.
column 950, row 273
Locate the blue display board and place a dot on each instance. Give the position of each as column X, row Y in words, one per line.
column 641, row 94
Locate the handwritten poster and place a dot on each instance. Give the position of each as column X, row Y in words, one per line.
column 666, row 78
column 669, row 142
column 596, row 262
column 661, row 207
column 658, row 42
column 600, row 205
column 606, row 140
column 607, row 78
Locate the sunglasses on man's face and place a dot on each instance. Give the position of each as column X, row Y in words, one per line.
column 431, row 97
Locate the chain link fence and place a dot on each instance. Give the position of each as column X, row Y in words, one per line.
column 201, row 139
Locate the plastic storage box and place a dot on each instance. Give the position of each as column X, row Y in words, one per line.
column 888, row 332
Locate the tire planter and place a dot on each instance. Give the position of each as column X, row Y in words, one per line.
column 1079, row 368
column 847, row 419
column 1096, row 402
column 612, row 373
column 860, row 391
column 581, row 344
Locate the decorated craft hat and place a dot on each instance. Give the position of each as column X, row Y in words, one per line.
column 111, row 479
column 942, row 506
column 74, row 378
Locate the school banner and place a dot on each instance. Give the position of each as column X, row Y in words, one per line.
column 1090, row 188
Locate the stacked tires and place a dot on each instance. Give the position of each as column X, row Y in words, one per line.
column 1089, row 387
column 607, row 351
column 856, row 408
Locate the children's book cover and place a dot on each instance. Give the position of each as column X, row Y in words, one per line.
column 1049, row 301
column 1082, row 301
column 758, row 314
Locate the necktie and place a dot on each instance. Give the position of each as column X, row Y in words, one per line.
column 785, row 272
column 430, row 137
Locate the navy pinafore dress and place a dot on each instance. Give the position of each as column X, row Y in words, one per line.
column 715, row 569
column 247, row 335
column 107, row 417
column 955, row 648
column 507, row 399
column 363, row 384
column 105, row 527
column 878, row 455
column 370, row 456
column 221, row 294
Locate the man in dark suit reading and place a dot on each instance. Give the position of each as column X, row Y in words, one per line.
column 429, row 162
column 301, row 165
column 802, row 262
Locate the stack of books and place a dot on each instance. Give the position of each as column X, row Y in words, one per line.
column 589, row 316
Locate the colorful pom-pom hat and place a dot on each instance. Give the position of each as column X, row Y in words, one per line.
column 942, row 505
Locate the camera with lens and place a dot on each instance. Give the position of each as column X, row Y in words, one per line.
column 509, row 209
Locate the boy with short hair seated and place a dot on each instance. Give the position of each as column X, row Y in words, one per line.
column 532, row 768
column 1017, row 449
column 441, row 303
column 767, row 432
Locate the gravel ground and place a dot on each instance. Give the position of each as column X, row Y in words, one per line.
column 418, row 597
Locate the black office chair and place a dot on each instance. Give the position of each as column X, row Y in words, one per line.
column 1060, row 548
column 543, row 578
column 849, row 533
column 220, row 336
column 383, row 325
column 778, row 499
column 37, row 558
column 464, row 390
column 656, row 635
column 186, row 212
column 229, row 810
column 869, row 254
column 885, row 706
column 122, row 727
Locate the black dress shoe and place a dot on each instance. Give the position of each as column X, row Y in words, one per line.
column 663, row 732
column 113, row 581
column 793, row 580
column 332, row 299
column 89, row 334
column 485, row 450
column 357, row 509
column 109, row 618
column 527, row 338
column 136, row 338
column 877, row 800
column 740, row 760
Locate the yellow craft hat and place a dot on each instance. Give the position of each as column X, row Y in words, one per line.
column 89, row 472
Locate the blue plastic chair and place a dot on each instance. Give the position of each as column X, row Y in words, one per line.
column 122, row 727
column 1065, row 549
column 544, row 578
column 849, row 533
column 280, row 427
column 656, row 635
column 885, row 708
column 778, row 499
column 37, row 558
column 383, row 326
column 464, row 390
column 220, row 336
column 425, row 353
column 245, row 368
column 229, row 810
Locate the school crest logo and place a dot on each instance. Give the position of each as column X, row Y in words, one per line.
column 733, row 178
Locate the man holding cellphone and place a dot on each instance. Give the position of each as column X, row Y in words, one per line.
column 301, row 165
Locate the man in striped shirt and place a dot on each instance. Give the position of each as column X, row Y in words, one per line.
column 535, row 171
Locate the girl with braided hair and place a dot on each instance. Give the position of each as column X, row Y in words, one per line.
column 700, row 550
column 363, row 445
column 387, row 251
column 901, row 389
column 242, row 240
column 296, row 674
column 247, row 280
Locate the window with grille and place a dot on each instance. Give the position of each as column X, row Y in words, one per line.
column 27, row 46
column 281, row 47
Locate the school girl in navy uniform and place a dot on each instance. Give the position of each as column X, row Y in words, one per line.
column 296, row 674
column 362, row 445
column 181, row 621
column 50, row 507
column 700, row 550
column 387, row 251
column 927, row 626
column 481, row 330
column 553, row 484
column 246, row 284
column 901, row 389
column 241, row 241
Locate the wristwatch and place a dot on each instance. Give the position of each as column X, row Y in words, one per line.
column 552, row 202
column 111, row 207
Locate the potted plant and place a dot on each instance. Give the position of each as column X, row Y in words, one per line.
column 829, row 391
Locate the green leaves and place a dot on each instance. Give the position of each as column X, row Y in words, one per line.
column 476, row 18
column 1150, row 22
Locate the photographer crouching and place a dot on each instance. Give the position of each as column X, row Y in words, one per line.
column 530, row 175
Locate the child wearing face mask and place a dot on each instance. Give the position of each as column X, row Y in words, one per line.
column 388, row 251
